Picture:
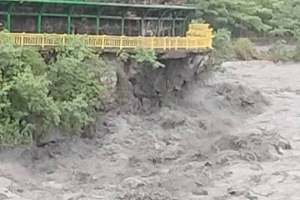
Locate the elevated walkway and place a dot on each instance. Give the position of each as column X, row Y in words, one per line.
column 113, row 42
column 104, row 24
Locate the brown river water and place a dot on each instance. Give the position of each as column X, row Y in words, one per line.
column 234, row 136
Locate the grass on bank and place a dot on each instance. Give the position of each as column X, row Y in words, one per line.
column 226, row 49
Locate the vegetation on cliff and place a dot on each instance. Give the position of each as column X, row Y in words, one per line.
column 141, row 55
column 36, row 96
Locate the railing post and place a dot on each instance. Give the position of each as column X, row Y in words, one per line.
column 64, row 39
column 176, row 43
column 8, row 17
column 22, row 39
column 165, row 43
column 139, row 41
column 123, row 22
column 173, row 25
column 121, row 42
column 103, row 40
column 187, row 42
column 39, row 18
column 69, row 19
column 43, row 41
column 97, row 25
column 142, row 31
column 210, row 38
column 152, row 42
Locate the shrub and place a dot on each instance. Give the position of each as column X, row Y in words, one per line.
column 244, row 49
column 148, row 56
column 221, row 39
column 281, row 51
column 297, row 44
column 75, row 74
column 297, row 52
column 222, row 46
column 123, row 56
column 35, row 96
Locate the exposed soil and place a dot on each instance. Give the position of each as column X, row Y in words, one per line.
column 233, row 136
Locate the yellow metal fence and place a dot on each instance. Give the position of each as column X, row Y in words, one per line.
column 115, row 42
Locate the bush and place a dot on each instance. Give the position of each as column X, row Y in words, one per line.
column 222, row 47
column 297, row 43
column 281, row 51
column 123, row 55
column 244, row 49
column 221, row 39
column 148, row 56
column 35, row 96
column 297, row 52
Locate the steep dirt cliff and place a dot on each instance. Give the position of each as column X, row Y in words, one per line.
column 141, row 87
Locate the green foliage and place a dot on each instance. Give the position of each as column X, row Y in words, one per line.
column 123, row 56
column 148, row 56
column 245, row 17
column 141, row 55
column 244, row 49
column 239, row 16
column 286, row 19
column 281, row 51
column 75, row 74
column 222, row 37
column 222, row 45
column 297, row 53
column 35, row 96
column 284, row 51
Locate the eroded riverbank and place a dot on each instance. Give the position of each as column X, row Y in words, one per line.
column 233, row 136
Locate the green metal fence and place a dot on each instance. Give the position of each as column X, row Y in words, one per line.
column 97, row 11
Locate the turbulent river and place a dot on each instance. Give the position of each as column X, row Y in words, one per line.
column 234, row 136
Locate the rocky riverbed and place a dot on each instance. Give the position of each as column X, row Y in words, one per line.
column 233, row 136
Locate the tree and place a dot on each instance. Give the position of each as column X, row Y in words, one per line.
column 286, row 21
column 245, row 17
column 35, row 96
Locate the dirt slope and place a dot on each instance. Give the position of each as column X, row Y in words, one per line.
column 227, row 139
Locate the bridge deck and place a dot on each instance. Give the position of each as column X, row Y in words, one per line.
column 113, row 42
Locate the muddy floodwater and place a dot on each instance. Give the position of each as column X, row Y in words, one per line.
column 234, row 136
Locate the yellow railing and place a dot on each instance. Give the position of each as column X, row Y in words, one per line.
column 115, row 42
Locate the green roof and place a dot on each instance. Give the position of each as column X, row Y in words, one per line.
column 102, row 3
